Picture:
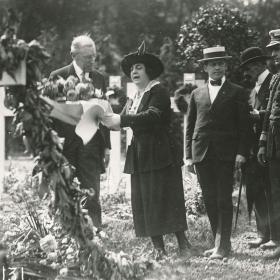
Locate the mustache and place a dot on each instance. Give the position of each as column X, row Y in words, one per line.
column 247, row 81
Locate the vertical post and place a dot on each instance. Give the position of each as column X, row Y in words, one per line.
column 188, row 78
column 129, row 134
column 115, row 161
column 115, row 157
column 184, row 134
column 115, row 81
column 130, row 93
column 2, row 139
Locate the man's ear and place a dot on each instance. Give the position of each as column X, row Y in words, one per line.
column 226, row 66
column 205, row 66
column 72, row 54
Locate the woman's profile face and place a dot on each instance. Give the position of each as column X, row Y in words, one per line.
column 138, row 75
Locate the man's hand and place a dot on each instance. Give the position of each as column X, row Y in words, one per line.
column 107, row 157
column 190, row 166
column 262, row 156
column 255, row 114
column 239, row 161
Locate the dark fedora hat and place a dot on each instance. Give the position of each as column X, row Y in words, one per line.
column 214, row 53
column 252, row 54
column 141, row 56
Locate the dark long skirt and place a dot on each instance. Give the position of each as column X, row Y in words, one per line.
column 158, row 203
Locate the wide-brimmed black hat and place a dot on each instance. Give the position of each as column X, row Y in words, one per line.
column 141, row 56
column 214, row 53
column 252, row 54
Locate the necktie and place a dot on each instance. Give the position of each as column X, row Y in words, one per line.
column 216, row 82
column 83, row 77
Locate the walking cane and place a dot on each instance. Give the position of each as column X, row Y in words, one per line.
column 239, row 197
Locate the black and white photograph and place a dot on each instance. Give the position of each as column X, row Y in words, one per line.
column 139, row 139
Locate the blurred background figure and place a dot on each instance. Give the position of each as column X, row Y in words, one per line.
column 117, row 98
column 258, row 77
column 182, row 97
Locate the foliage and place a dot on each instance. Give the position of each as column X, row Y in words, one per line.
column 263, row 15
column 116, row 26
column 182, row 96
column 213, row 25
column 12, row 51
column 55, row 176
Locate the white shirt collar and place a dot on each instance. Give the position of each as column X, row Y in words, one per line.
column 151, row 84
column 77, row 68
column 79, row 71
column 213, row 90
column 138, row 97
column 262, row 77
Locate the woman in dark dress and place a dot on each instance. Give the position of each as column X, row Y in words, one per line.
column 153, row 158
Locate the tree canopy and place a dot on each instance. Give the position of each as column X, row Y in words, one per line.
column 119, row 26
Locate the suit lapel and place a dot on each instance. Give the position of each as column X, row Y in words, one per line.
column 71, row 71
column 264, row 90
column 144, row 100
column 206, row 95
column 221, row 94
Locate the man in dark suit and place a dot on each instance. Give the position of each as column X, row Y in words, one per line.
column 216, row 143
column 253, row 64
column 87, row 159
column 269, row 151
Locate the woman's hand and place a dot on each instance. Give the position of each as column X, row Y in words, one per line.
column 262, row 156
column 190, row 166
column 112, row 121
column 239, row 161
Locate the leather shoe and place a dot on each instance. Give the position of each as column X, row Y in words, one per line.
column 219, row 255
column 271, row 244
column 274, row 255
column 158, row 254
column 257, row 242
column 209, row 252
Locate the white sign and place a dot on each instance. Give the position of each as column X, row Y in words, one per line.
column 131, row 90
column 173, row 105
column 115, row 81
column 189, row 78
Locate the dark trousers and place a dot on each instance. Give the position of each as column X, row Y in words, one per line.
column 274, row 173
column 216, row 181
column 88, row 172
column 259, row 193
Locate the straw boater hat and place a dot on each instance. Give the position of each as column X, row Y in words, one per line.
column 213, row 53
column 251, row 55
column 141, row 56
column 274, row 38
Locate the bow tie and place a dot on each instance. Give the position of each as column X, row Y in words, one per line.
column 216, row 82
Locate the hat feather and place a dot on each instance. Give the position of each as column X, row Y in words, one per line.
column 142, row 48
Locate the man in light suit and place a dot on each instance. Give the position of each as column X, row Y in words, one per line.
column 253, row 64
column 87, row 159
column 216, row 144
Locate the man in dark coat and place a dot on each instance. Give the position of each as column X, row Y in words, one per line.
column 253, row 64
column 269, row 151
column 216, row 143
column 87, row 159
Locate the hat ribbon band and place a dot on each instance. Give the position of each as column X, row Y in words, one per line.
column 214, row 54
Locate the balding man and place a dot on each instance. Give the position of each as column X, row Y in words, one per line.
column 87, row 159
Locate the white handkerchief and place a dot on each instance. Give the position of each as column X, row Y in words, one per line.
column 93, row 112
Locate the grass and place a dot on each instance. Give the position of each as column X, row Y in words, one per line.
column 118, row 225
